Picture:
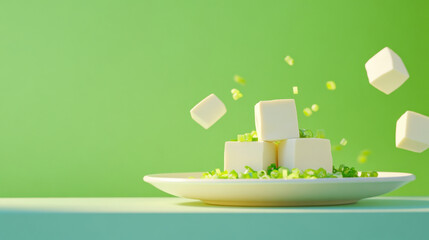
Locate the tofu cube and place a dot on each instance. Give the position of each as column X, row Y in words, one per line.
column 208, row 111
column 305, row 153
column 276, row 120
column 412, row 132
column 386, row 71
column 257, row 155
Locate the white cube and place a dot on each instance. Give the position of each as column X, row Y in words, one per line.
column 386, row 71
column 305, row 153
column 412, row 132
column 208, row 111
column 257, row 155
column 276, row 120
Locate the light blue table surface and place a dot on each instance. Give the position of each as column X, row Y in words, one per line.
column 176, row 218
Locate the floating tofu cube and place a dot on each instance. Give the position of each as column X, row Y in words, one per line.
column 276, row 120
column 304, row 153
column 257, row 155
column 208, row 111
column 386, row 71
column 412, row 132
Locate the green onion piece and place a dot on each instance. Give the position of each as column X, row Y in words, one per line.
column 305, row 133
column 218, row 171
column 343, row 142
column 249, row 169
column 315, row 107
column 241, row 138
column 320, row 133
column 362, row 159
column 254, row 134
column 309, row 172
column 243, row 176
column 234, row 91
column 272, row 167
column 262, row 173
column 233, row 174
column 337, row 147
column 295, row 90
column 338, row 175
column 289, row 60
column 363, row 156
column 239, row 80
column 301, row 133
column 307, row 112
column 374, row 174
column 321, row 173
column 247, row 137
column 237, row 96
column 331, row 85
column 275, row 174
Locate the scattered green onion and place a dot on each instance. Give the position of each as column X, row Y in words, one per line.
column 320, row 133
column 237, row 96
column 246, row 137
column 331, row 85
column 337, row 147
column 343, row 142
column 254, row 134
column 307, row 112
column 363, row 156
column 241, row 138
column 274, row 172
column 239, row 80
column 289, row 60
column 295, row 90
column 315, row 107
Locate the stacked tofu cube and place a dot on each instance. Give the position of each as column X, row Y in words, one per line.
column 278, row 142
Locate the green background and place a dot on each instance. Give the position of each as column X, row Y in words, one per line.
column 96, row 94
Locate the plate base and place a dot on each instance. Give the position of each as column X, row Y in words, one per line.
column 280, row 203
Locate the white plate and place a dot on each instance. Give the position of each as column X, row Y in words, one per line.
column 277, row 192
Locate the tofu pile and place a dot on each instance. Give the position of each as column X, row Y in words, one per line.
column 277, row 121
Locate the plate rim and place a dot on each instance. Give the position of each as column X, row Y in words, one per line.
column 158, row 178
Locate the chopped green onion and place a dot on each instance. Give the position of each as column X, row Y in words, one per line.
column 254, row 134
column 321, row 173
column 320, row 133
column 239, row 80
column 289, row 60
column 237, row 96
column 343, row 142
column 331, row 85
column 305, row 133
column 337, row 147
column 247, row 137
column 241, row 138
column 363, row 156
column 307, row 112
column 315, row 107
column 310, row 172
column 362, row 159
column 272, row 167
column 295, row 90
column 274, row 172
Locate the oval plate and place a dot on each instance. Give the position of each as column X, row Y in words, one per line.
column 277, row 192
